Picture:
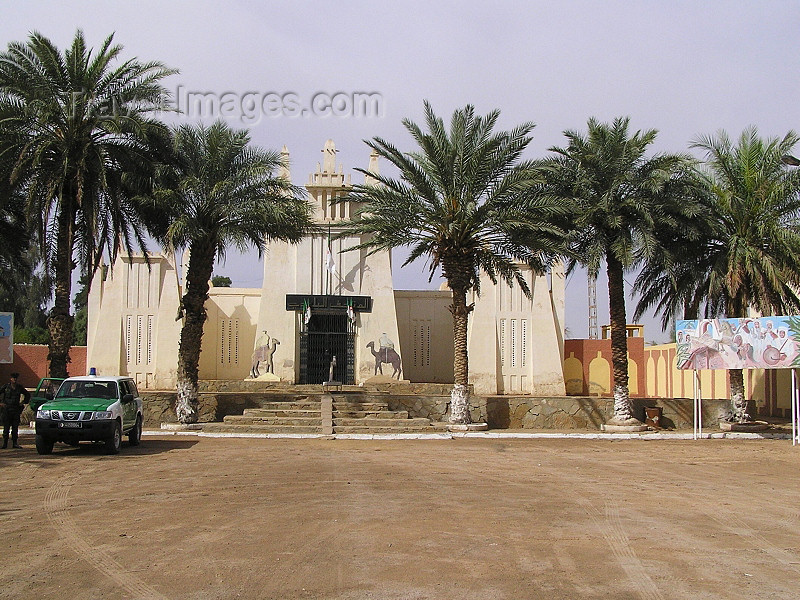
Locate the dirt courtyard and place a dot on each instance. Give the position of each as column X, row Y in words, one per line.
column 198, row 517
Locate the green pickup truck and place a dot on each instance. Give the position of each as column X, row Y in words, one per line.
column 90, row 408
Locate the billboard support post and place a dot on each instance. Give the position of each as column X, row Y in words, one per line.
column 795, row 409
column 698, row 406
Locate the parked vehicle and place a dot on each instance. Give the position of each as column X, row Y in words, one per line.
column 91, row 408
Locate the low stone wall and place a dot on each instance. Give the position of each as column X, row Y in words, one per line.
column 159, row 407
column 584, row 412
column 571, row 412
column 500, row 412
column 429, row 407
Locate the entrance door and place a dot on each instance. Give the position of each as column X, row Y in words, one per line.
column 326, row 335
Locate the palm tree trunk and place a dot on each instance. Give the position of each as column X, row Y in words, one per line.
column 201, row 264
column 691, row 309
column 735, row 307
column 623, row 414
column 59, row 323
column 738, row 397
column 459, row 397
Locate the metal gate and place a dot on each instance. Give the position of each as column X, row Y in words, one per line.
column 327, row 334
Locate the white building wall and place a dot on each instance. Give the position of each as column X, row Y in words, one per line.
column 131, row 328
column 515, row 344
column 282, row 276
column 426, row 335
column 229, row 333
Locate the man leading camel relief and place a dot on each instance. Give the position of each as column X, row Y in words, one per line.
column 386, row 344
column 386, row 354
column 11, row 408
column 265, row 349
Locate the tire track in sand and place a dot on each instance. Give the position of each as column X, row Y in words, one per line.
column 27, row 471
column 613, row 532
column 736, row 526
column 57, row 511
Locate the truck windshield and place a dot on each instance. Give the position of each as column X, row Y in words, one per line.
column 87, row 389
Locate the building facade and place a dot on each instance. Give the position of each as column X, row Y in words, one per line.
column 319, row 300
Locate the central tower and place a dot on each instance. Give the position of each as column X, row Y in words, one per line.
column 320, row 299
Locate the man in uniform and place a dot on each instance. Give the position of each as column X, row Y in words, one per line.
column 11, row 408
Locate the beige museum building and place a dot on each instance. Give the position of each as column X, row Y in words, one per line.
column 307, row 311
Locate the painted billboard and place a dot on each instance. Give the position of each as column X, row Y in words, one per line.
column 6, row 337
column 750, row 343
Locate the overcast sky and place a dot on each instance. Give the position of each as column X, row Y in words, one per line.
column 686, row 68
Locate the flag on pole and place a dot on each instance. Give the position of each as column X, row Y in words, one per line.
column 351, row 314
column 306, row 312
column 329, row 262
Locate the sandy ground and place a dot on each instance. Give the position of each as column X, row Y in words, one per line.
column 191, row 517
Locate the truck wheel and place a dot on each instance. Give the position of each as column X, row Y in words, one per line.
column 114, row 443
column 135, row 434
column 43, row 445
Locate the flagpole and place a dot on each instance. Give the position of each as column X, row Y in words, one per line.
column 329, row 275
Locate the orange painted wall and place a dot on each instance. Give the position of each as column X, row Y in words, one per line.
column 30, row 361
column 587, row 350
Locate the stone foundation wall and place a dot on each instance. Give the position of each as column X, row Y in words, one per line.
column 572, row 412
column 500, row 412
column 159, row 407
column 578, row 412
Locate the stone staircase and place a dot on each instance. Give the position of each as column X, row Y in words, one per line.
column 321, row 413
column 354, row 415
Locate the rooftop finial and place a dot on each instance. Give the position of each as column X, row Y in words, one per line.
column 329, row 157
column 373, row 168
column 283, row 170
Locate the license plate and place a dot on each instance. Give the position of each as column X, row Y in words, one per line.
column 69, row 425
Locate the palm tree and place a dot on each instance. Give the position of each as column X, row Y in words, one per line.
column 620, row 200
column 81, row 145
column 464, row 201
column 669, row 283
column 748, row 253
column 15, row 263
column 220, row 192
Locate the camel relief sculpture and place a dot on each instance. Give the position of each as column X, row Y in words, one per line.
column 264, row 354
column 386, row 354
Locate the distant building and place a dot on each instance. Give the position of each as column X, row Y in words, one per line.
column 318, row 301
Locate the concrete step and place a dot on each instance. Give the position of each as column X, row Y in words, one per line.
column 370, row 414
column 373, row 406
column 279, row 421
column 383, row 430
column 298, row 404
column 281, row 411
column 226, row 428
column 370, row 422
column 359, row 397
